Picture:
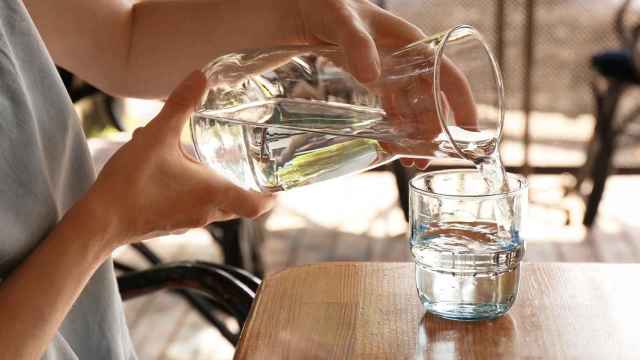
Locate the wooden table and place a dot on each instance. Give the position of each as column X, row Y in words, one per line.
column 372, row 311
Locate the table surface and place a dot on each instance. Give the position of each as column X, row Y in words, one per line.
column 372, row 311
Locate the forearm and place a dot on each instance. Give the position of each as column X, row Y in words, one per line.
column 38, row 294
column 172, row 37
column 143, row 48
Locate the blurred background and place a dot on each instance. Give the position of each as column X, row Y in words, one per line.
column 571, row 126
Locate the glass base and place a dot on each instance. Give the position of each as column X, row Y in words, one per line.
column 467, row 296
column 466, row 312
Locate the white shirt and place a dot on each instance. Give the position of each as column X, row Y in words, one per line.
column 45, row 167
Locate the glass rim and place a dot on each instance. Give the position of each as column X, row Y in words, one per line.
column 522, row 180
column 443, row 41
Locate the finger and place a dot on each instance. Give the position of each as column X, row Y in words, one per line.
column 421, row 105
column 137, row 132
column 362, row 54
column 390, row 105
column 182, row 102
column 347, row 30
column 249, row 204
column 459, row 96
column 392, row 32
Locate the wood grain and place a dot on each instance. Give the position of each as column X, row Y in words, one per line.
column 371, row 311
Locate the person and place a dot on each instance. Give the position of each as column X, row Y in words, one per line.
column 58, row 294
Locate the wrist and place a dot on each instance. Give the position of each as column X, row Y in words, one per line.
column 89, row 225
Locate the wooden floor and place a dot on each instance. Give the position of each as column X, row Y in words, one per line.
column 357, row 218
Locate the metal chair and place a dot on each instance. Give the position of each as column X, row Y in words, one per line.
column 617, row 71
column 213, row 290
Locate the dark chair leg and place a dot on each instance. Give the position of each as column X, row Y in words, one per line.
column 600, row 172
column 204, row 308
column 251, row 239
column 227, row 233
column 602, row 163
column 402, row 181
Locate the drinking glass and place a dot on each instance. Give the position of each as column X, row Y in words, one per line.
column 465, row 240
column 273, row 119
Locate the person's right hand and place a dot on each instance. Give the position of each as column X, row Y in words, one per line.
column 151, row 187
column 365, row 31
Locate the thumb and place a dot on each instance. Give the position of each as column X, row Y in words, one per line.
column 182, row 102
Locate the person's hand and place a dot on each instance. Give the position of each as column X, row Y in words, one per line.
column 151, row 187
column 363, row 30
column 359, row 27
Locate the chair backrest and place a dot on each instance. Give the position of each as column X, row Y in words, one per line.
column 627, row 25
column 565, row 35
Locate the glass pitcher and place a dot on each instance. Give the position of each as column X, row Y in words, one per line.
column 280, row 118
